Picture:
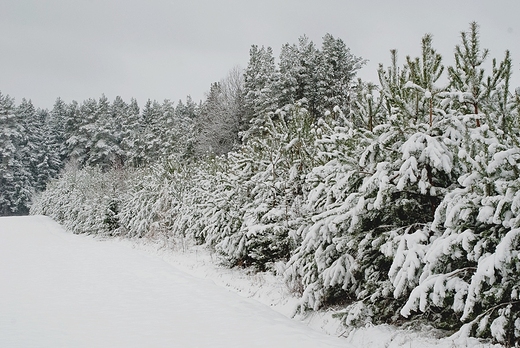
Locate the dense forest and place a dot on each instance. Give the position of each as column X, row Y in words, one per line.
column 392, row 203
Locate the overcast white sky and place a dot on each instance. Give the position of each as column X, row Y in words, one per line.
column 161, row 49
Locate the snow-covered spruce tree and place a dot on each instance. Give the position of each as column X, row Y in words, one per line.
column 15, row 177
column 35, row 150
column 471, row 271
column 105, row 134
column 365, row 242
column 61, row 127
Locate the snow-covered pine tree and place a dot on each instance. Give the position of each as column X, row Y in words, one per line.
column 336, row 73
column 58, row 122
column 150, row 203
column 185, row 114
column 260, row 88
column 373, row 220
column 81, row 199
column 289, row 68
column 471, row 268
column 424, row 74
column 297, row 80
column 283, row 156
column 367, row 106
column 468, row 78
column 41, row 163
column 220, row 196
column 330, row 182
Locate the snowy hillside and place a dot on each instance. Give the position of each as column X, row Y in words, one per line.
column 63, row 290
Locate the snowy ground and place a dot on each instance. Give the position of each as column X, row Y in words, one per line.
column 64, row 290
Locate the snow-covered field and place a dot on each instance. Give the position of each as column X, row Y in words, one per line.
column 63, row 290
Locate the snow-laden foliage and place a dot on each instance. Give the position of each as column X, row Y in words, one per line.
column 84, row 201
column 471, row 269
column 27, row 161
column 147, row 207
column 251, row 201
column 374, row 200
column 14, row 176
column 274, row 167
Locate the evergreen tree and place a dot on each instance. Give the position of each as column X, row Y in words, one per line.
column 470, row 275
column 185, row 115
column 367, row 110
column 374, row 201
column 61, row 129
column 209, row 123
column 104, row 149
column 168, row 134
column 398, row 202
column 335, row 75
column 130, row 135
column 298, row 64
column 40, row 163
column 73, row 121
column 82, row 141
column 260, row 86
column 15, row 181
column 151, row 129
column 424, row 73
column 118, row 125
column 468, row 78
